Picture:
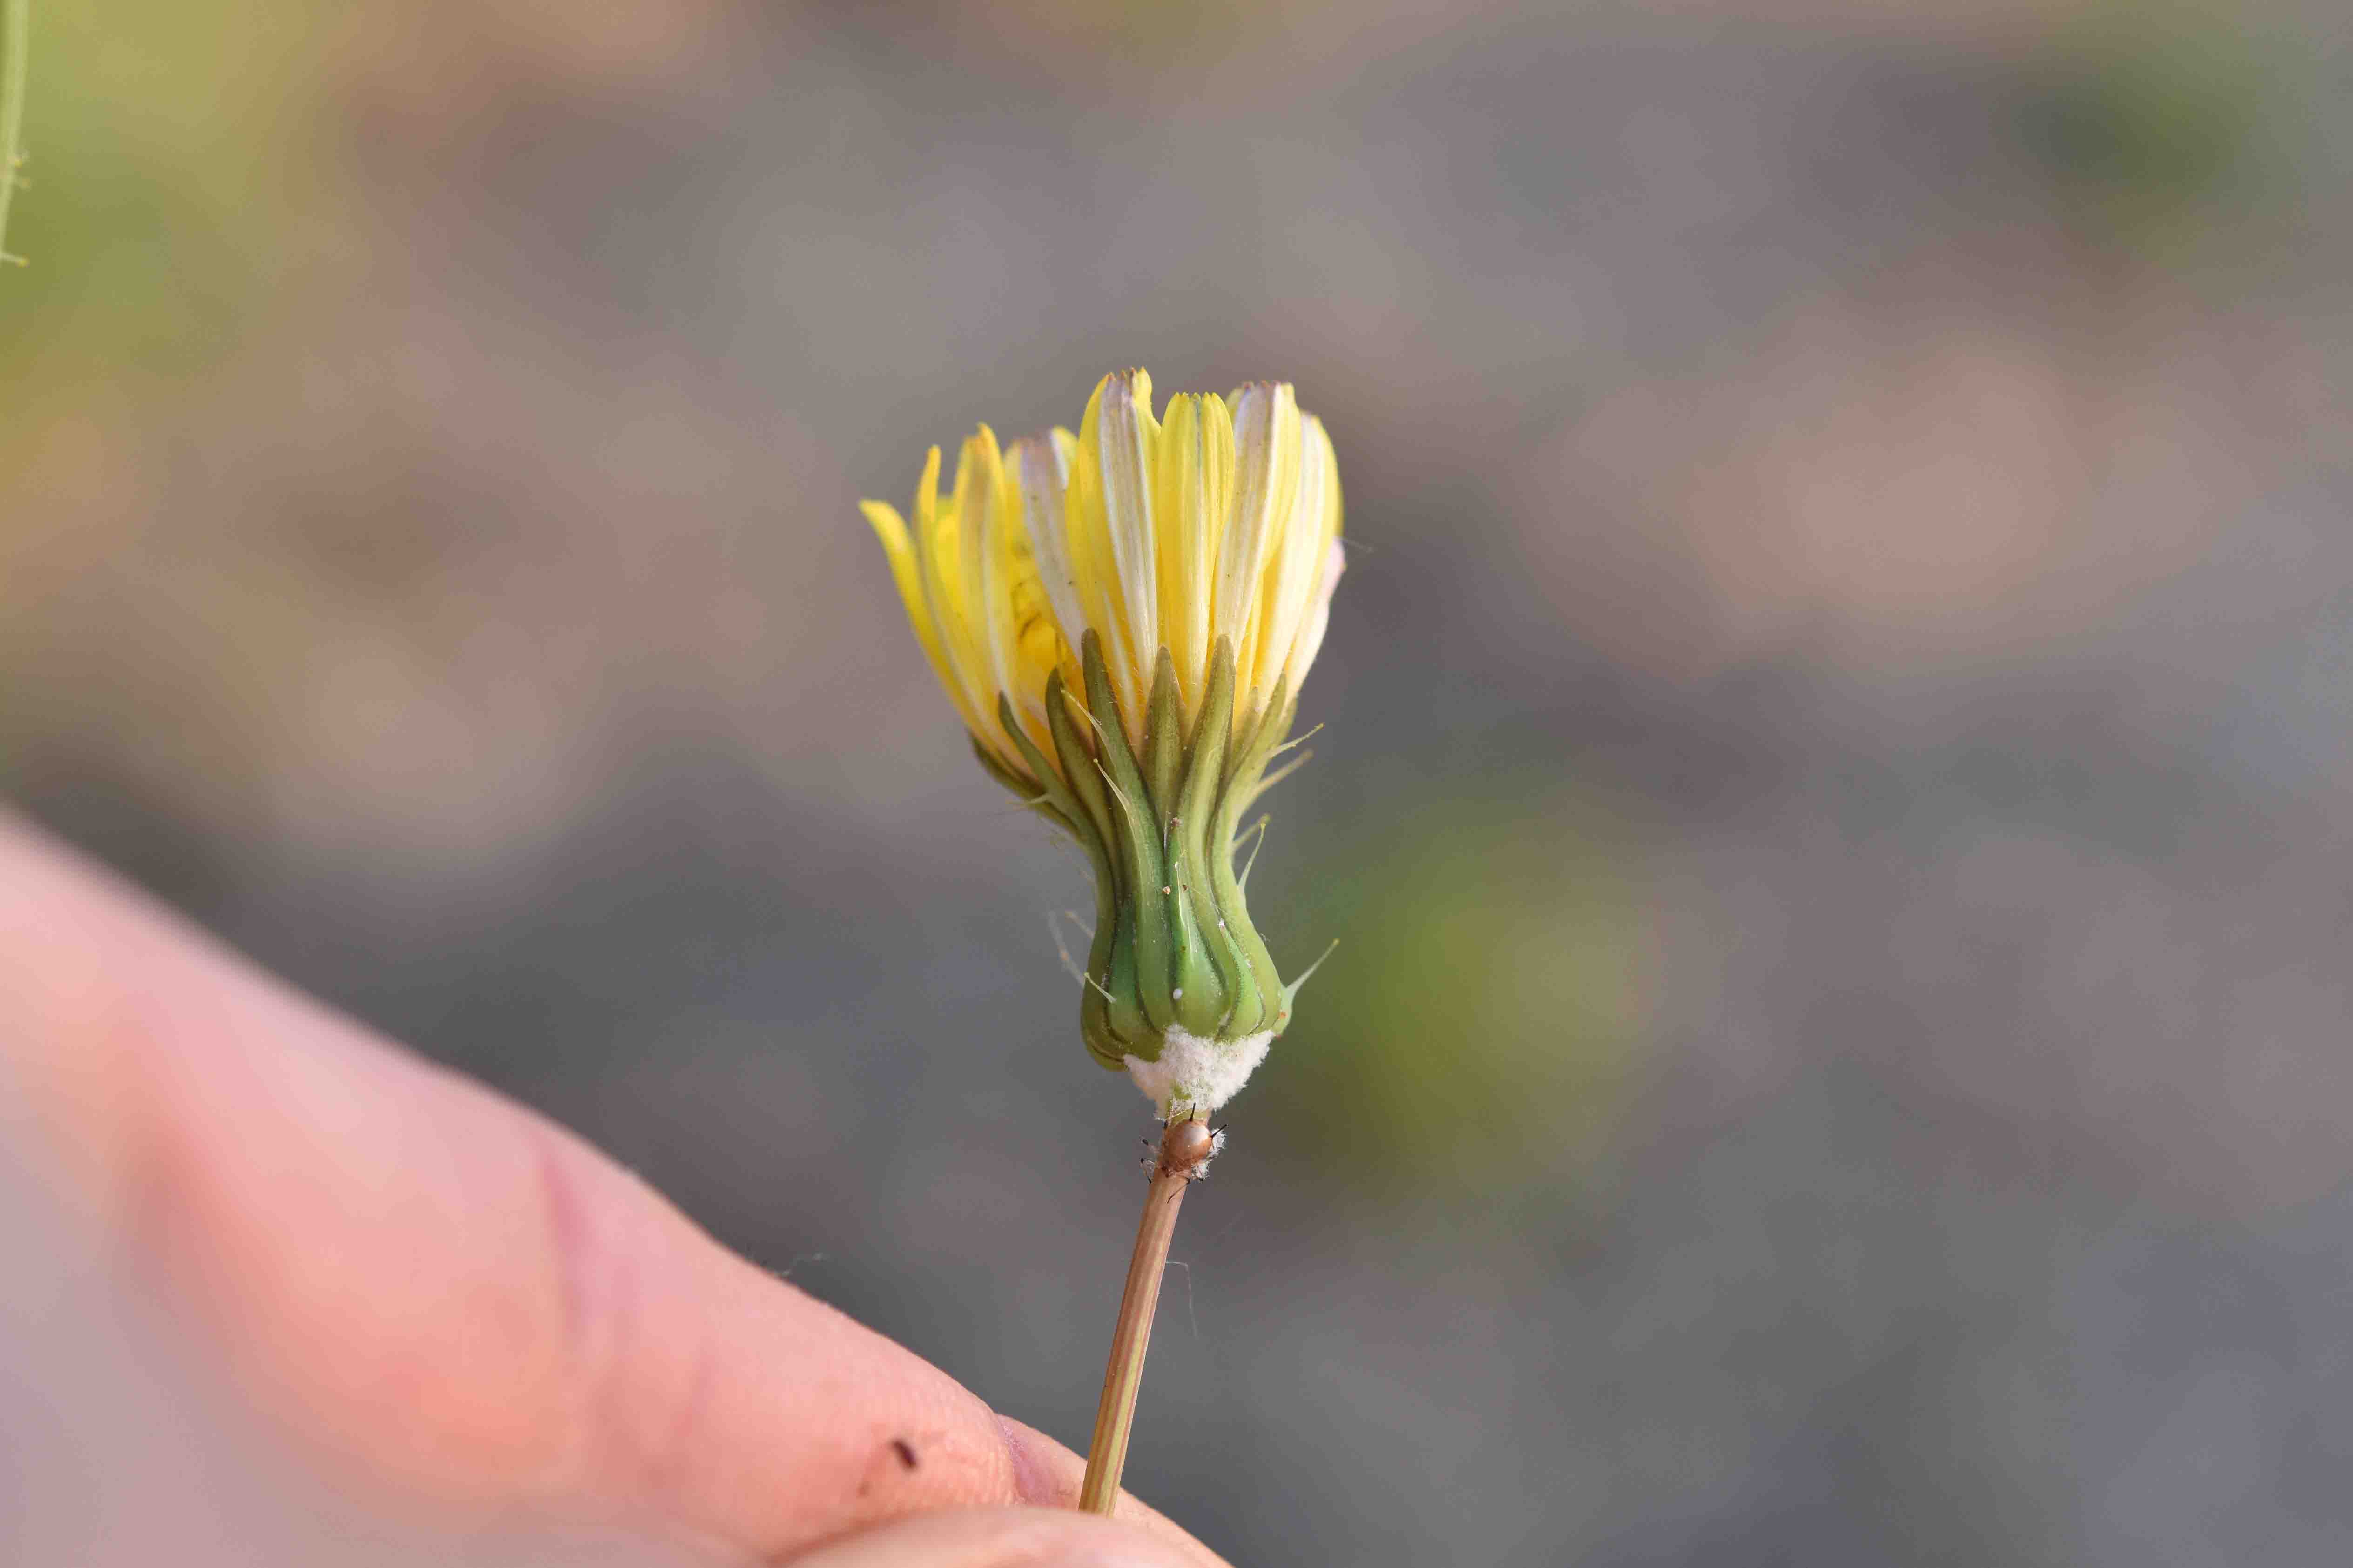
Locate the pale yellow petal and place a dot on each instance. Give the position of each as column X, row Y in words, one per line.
column 892, row 530
column 1124, row 441
column 1286, row 580
column 1318, row 521
column 1030, row 643
column 1066, row 454
column 1043, row 473
column 1266, row 479
column 1092, row 562
column 991, row 533
column 961, row 530
column 936, row 573
column 1310, row 641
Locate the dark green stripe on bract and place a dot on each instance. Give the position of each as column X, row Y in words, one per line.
column 1240, row 787
column 1137, row 857
column 1096, row 1025
column 1209, row 967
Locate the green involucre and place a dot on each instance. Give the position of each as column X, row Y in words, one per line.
column 1174, row 946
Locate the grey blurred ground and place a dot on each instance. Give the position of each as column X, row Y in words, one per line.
column 1837, row 798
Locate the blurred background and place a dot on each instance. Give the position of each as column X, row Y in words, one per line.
column 1837, row 793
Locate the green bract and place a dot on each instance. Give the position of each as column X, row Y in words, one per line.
column 1174, row 947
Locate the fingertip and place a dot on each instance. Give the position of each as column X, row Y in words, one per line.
column 1048, row 1476
column 1003, row 1538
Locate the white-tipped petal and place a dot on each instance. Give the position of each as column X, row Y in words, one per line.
column 1266, row 457
column 1310, row 641
column 1043, row 473
column 1126, row 447
column 1287, row 586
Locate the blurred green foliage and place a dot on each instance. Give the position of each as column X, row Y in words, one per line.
column 170, row 150
column 1478, row 1026
column 15, row 33
column 2141, row 118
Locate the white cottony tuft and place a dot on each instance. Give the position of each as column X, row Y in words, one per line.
column 1195, row 1074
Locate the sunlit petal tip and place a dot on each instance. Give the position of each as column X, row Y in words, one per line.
column 886, row 522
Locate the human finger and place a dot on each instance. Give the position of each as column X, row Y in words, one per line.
column 1000, row 1538
column 448, row 1294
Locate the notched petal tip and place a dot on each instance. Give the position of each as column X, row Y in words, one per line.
column 1131, row 388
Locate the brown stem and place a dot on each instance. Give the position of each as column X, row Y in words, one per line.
column 1185, row 1151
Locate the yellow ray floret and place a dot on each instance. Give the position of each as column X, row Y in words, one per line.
column 1217, row 521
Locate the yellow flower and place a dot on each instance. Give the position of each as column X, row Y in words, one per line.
column 1123, row 619
column 1221, row 519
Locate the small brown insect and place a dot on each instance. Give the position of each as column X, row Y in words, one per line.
column 1186, row 1148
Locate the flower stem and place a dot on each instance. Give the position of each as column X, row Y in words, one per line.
column 1185, row 1151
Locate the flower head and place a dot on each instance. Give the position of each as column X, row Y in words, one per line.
column 1123, row 619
